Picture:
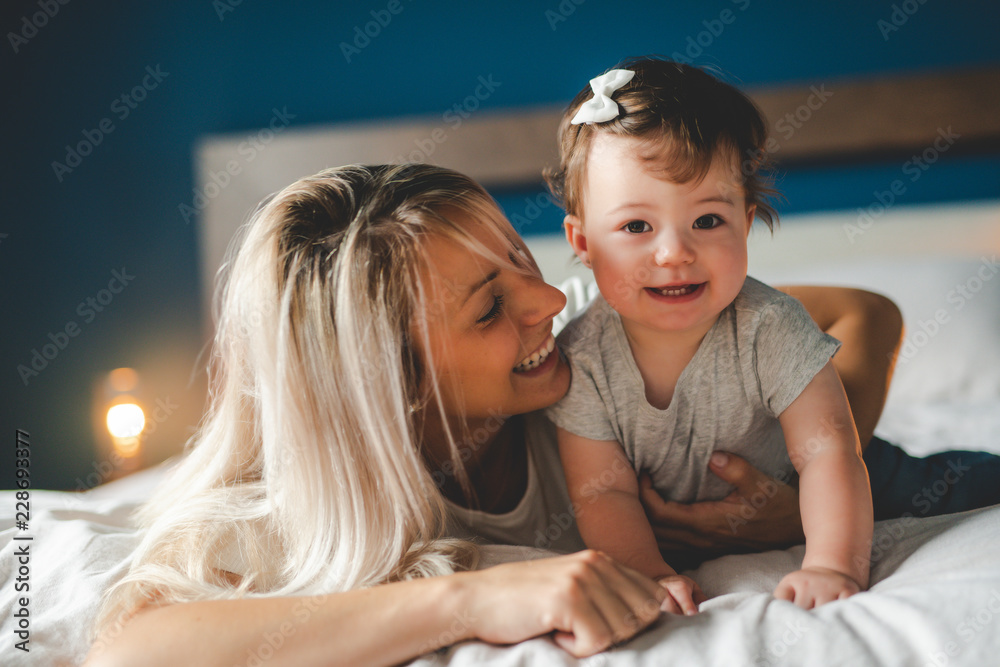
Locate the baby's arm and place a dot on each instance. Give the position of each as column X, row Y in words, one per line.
column 834, row 495
column 605, row 492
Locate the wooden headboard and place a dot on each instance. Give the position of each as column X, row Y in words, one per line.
column 847, row 120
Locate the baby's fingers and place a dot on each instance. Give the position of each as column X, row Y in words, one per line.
column 687, row 603
column 670, row 606
column 784, row 591
column 682, row 597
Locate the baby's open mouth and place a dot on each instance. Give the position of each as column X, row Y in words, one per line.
column 535, row 359
column 675, row 290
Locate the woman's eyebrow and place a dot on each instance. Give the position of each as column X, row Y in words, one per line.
column 482, row 283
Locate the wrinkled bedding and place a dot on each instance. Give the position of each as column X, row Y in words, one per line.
column 934, row 600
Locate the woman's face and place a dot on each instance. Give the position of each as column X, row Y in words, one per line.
column 490, row 332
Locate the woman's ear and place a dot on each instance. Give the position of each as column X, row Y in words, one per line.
column 577, row 239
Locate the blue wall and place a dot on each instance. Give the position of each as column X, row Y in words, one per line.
column 225, row 66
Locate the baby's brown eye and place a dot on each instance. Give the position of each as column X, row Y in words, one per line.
column 710, row 221
column 637, row 226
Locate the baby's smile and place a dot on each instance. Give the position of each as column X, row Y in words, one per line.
column 676, row 293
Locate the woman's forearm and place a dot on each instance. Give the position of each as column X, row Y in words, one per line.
column 383, row 625
column 870, row 327
column 587, row 600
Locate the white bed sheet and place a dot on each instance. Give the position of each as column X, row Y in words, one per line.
column 934, row 599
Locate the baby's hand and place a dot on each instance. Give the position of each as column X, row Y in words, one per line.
column 683, row 594
column 814, row 586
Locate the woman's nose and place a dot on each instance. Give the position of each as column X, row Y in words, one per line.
column 542, row 301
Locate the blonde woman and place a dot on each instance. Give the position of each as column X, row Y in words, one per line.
column 384, row 344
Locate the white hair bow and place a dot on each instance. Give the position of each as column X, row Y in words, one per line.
column 601, row 107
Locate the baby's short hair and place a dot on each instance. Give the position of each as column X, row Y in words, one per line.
column 688, row 116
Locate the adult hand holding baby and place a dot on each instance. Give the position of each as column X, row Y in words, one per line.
column 586, row 600
column 760, row 513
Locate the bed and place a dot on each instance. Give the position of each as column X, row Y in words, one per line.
column 935, row 593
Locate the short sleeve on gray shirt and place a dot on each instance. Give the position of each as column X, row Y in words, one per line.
column 754, row 362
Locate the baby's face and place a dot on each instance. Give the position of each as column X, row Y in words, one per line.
column 667, row 256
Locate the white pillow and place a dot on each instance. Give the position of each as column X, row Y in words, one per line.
column 579, row 292
column 951, row 314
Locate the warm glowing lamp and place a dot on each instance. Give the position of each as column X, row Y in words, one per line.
column 125, row 418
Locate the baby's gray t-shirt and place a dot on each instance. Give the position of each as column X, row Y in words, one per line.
column 754, row 361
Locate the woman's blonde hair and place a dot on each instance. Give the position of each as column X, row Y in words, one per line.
column 306, row 476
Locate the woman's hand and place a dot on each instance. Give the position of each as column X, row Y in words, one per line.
column 760, row 513
column 588, row 601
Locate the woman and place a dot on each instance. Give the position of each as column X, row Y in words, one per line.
column 384, row 339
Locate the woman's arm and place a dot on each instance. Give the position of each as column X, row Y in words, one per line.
column 586, row 599
column 870, row 327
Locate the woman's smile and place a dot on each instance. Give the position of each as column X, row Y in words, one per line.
column 537, row 359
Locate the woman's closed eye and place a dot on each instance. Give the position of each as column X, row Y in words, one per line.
column 710, row 221
column 495, row 311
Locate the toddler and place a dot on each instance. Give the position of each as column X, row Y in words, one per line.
column 682, row 356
